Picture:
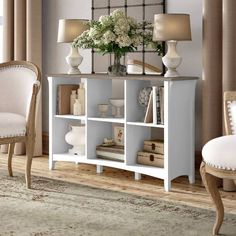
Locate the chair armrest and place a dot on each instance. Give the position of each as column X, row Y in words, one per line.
column 36, row 87
column 30, row 117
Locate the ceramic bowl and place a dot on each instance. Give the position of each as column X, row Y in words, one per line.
column 117, row 102
column 103, row 109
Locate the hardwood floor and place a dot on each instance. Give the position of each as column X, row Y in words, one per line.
column 118, row 180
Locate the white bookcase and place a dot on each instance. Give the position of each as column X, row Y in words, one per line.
column 178, row 130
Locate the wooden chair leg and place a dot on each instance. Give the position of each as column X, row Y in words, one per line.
column 210, row 183
column 10, row 154
column 29, row 154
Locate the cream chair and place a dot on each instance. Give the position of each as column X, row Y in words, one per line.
column 19, row 86
column 219, row 158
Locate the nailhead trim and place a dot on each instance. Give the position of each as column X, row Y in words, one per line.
column 232, row 125
column 14, row 135
column 220, row 167
column 13, row 67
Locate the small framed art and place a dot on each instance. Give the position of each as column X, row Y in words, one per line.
column 119, row 135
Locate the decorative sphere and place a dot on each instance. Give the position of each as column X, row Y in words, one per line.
column 143, row 97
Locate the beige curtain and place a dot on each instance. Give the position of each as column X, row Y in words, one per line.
column 22, row 40
column 219, row 65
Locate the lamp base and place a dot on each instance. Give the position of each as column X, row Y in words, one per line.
column 171, row 73
column 74, row 59
column 74, row 71
column 172, row 60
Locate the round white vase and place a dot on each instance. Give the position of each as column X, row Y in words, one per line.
column 76, row 138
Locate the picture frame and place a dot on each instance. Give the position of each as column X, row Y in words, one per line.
column 119, row 136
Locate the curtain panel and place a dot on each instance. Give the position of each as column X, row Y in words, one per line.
column 22, row 40
column 219, row 66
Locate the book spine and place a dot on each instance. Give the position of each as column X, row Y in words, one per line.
column 154, row 91
column 117, row 151
column 162, row 104
column 158, row 106
column 110, row 155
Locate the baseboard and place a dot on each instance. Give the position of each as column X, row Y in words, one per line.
column 45, row 143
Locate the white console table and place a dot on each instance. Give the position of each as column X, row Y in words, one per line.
column 178, row 130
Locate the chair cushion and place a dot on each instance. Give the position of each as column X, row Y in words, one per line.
column 12, row 125
column 221, row 152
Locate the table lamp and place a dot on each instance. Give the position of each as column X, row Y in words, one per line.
column 68, row 30
column 172, row 28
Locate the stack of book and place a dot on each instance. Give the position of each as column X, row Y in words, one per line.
column 155, row 109
column 152, row 154
column 114, row 153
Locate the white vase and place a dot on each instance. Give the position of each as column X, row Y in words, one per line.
column 76, row 138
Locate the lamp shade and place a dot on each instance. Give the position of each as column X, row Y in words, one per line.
column 69, row 29
column 172, row 27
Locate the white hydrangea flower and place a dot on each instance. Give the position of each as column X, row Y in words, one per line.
column 105, row 20
column 109, row 36
column 94, row 33
column 121, row 27
column 98, row 42
column 117, row 14
column 137, row 40
column 123, row 41
column 132, row 22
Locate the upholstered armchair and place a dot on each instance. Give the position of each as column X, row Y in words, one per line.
column 219, row 158
column 19, row 86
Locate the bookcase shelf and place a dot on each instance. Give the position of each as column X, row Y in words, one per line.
column 109, row 119
column 178, row 130
column 71, row 117
column 146, row 124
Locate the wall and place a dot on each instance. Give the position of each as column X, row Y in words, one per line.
column 191, row 51
column 54, row 53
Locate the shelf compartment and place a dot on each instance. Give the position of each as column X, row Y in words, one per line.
column 97, row 131
column 71, row 117
column 108, row 119
column 146, row 124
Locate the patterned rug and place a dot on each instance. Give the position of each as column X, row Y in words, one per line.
column 64, row 209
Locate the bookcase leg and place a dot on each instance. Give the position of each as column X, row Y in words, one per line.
column 137, row 176
column 167, row 185
column 99, row 169
column 51, row 165
column 191, row 179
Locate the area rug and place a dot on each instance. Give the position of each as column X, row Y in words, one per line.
column 64, row 209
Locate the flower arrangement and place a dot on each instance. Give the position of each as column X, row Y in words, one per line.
column 116, row 33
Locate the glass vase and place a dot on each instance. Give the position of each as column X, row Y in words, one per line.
column 116, row 69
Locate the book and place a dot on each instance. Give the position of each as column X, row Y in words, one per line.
column 149, row 112
column 154, row 107
column 158, row 112
column 112, row 149
column 115, row 153
column 63, row 98
column 161, row 89
column 110, row 156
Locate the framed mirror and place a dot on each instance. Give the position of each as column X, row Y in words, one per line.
column 144, row 60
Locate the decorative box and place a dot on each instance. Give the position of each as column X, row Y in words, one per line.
column 154, row 146
column 150, row 159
